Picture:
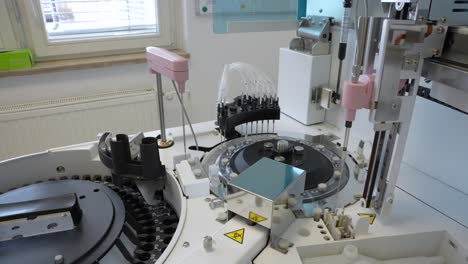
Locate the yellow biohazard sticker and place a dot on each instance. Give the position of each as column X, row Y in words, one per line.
column 371, row 217
column 256, row 218
column 237, row 235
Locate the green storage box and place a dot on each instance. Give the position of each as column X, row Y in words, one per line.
column 16, row 59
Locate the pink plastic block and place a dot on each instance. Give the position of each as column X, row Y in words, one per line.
column 357, row 96
column 169, row 64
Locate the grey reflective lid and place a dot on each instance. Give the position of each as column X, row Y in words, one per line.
column 267, row 178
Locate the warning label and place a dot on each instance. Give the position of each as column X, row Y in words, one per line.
column 256, row 218
column 371, row 217
column 237, row 235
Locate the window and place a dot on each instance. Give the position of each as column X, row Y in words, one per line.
column 81, row 19
column 74, row 27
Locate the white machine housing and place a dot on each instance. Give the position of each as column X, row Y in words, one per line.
column 300, row 78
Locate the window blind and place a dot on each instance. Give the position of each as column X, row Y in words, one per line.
column 82, row 19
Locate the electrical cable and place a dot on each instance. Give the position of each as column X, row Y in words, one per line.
column 185, row 112
column 366, row 8
column 356, row 11
column 366, row 14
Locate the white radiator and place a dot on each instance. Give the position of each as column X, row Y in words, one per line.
column 37, row 126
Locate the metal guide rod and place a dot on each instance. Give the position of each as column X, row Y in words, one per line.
column 183, row 125
column 184, row 111
column 346, row 21
column 343, row 156
column 356, row 71
column 162, row 122
column 338, row 78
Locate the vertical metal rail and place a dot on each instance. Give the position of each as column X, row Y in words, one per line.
column 385, row 165
column 374, row 164
column 163, row 143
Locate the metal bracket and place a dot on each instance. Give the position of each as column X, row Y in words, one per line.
column 315, row 95
column 313, row 35
column 322, row 96
column 326, row 96
column 38, row 217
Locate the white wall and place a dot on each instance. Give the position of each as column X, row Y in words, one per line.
column 209, row 52
column 14, row 90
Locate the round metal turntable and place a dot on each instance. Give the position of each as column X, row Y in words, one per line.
column 99, row 213
column 75, row 221
column 322, row 165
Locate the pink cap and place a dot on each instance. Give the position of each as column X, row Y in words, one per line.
column 169, row 64
column 357, row 96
